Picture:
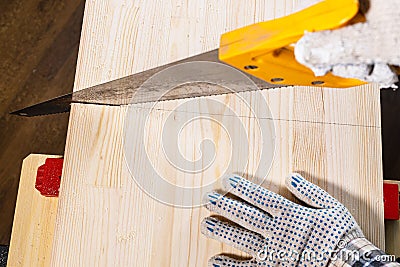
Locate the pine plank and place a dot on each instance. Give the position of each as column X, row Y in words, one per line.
column 104, row 218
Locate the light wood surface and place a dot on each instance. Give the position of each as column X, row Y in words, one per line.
column 34, row 219
column 105, row 219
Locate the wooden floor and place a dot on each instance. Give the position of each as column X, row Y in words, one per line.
column 38, row 49
column 104, row 217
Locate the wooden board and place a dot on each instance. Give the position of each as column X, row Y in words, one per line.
column 392, row 232
column 104, row 218
column 38, row 49
column 34, row 219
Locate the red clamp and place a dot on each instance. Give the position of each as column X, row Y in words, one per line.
column 391, row 201
column 48, row 177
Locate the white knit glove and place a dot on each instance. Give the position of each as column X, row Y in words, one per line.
column 276, row 231
column 363, row 50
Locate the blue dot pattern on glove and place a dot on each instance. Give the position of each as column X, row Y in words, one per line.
column 268, row 224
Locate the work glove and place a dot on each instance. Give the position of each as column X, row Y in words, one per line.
column 366, row 51
column 277, row 232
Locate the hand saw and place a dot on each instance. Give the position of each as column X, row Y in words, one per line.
column 263, row 51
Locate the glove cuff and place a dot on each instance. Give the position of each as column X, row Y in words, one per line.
column 355, row 250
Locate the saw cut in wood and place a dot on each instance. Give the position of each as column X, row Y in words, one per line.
column 262, row 51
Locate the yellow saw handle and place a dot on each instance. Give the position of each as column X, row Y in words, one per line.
column 266, row 50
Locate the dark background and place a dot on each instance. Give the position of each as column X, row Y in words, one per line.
column 390, row 107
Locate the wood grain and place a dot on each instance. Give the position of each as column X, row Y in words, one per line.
column 34, row 219
column 105, row 219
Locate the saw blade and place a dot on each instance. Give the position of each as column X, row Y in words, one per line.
column 126, row 91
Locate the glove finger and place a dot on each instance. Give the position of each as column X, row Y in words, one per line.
column 237, row 237
column 241, row 213
column 354, row 44
column 309, row 193
column 255, row 194
column 225, row 261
